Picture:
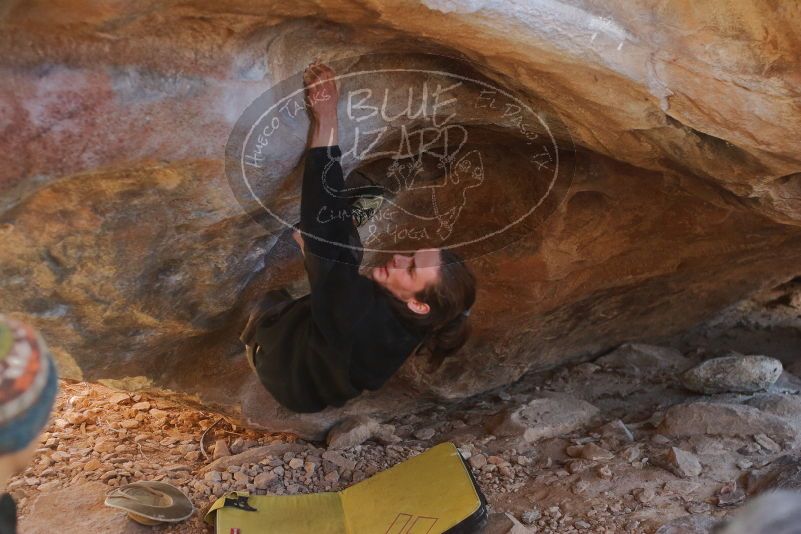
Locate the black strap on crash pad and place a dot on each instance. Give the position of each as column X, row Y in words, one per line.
column 241, row 502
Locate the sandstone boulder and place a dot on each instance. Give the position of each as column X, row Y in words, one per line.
column 637, row 359
column 126, row 244
column 541, row 418
column 787, row 407
column 736, row 373
column 723, row 419
column 354, row 431
column 682, row 463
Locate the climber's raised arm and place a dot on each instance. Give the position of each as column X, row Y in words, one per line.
column 322, row 96
column 329, row 239
column 324, row 219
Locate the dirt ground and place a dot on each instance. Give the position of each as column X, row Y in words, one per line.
column 101, row 438
column 609, row 455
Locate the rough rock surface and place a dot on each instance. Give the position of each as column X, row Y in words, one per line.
column 724, row 419
column 689, row 524
column 736, row 373
column 783, row 473
column 774, row 513
column 765, row 323
column 80, row 510
column 505, row 523
column 682, row 463
column 354, row 431
column 543, row 418
column 787, row 407
column 125, row 245
column 638, row 359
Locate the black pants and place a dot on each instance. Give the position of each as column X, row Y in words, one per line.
column 266, row 310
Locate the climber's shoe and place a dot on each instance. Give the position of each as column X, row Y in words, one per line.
column 368, row 197
column 365, row 207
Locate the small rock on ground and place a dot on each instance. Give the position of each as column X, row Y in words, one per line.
column 682, row 463
column 689, row 524
column 546, row 417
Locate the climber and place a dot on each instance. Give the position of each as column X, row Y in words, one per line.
column 352, row 332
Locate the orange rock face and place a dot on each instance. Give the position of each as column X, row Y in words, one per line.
column 130, row 244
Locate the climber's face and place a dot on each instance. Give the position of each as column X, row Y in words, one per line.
column 405, row 276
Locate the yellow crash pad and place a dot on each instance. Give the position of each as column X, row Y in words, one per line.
column 431, row 493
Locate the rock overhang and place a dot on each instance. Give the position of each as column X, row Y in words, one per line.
column 116, row 210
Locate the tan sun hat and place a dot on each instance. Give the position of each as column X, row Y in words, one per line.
column 149, row 502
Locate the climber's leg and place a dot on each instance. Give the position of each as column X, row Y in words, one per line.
column 270, row 305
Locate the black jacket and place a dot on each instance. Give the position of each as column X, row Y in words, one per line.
column 8, row 515
column 342, row 338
